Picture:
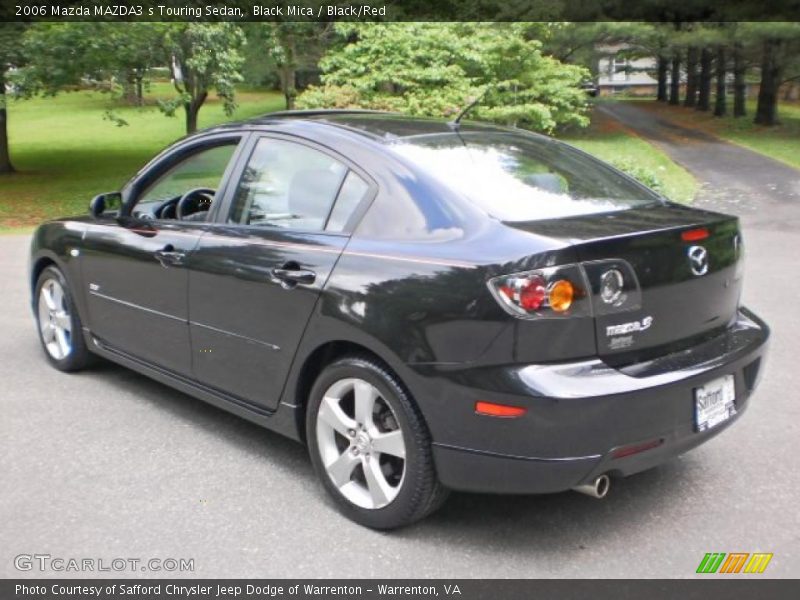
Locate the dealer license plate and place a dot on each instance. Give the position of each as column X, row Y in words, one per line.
column 714, row 403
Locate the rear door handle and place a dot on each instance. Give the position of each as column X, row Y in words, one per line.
column 168, row 256
column 294, row 276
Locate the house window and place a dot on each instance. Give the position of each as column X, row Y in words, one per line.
column 619, row 69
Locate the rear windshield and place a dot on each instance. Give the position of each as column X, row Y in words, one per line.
column 517, row 177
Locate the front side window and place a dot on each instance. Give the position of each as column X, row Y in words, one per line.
column 287, row 185
column 202, row 169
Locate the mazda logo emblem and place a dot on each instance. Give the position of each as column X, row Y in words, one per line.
column 698, row 260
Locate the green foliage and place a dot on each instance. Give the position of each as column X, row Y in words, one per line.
column 109, row 56
column 436, row 69
column 581, row 43
column 10, row 45
column 258, row 68
column 118, row 58
column 54, row 55
column 293, row 46
column 637, row 171
column 204, row 56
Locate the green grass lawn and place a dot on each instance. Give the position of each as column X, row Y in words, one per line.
column 610, row 141
column 781, row 142
column 65, row 152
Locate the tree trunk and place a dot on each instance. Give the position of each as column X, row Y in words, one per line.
column 129, row 90
column 675, row 80
column 191, row 117
column 739, row 85
column 691, row 77
column 5, row 156
column 704, row 81
column 289, row 85
column 193, row 109
column 720, row 105
column 662, row 79
column 767, row 109
column 140, row 91
column 289, row 71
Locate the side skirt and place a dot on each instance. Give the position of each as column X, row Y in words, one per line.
column 282, row 421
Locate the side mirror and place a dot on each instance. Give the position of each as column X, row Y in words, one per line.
column 105, row 204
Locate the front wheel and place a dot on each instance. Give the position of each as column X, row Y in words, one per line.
column 370, row 446
column 58, row 322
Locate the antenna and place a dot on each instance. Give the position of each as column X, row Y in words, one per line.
column 455, row 123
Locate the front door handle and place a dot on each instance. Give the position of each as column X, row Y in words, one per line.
column 168, row 256
column 293, row 276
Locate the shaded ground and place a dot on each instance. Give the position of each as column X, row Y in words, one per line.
column 779, row 142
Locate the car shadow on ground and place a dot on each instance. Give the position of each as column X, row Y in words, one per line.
column 567, row 519
column 216, row 422
column 504, row 522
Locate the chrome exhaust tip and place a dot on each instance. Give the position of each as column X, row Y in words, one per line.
column 597, row 488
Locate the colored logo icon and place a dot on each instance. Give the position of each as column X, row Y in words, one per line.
column 735, row 562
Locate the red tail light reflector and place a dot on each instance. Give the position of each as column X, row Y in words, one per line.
column 492, row 409
column 694, row 235
column 636, row 448
column 532, row 294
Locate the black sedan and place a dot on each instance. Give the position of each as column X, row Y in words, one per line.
column 427, row 305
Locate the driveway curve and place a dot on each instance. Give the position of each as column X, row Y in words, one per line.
column 761, row 190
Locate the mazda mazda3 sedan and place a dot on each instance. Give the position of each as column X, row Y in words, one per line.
column 428, row 306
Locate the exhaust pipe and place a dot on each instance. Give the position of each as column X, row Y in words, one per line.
column 597, row 488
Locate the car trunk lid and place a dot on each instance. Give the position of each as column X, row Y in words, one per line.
column 686, row 262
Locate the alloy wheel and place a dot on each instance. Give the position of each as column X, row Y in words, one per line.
column 55, row 324
column 361, row 443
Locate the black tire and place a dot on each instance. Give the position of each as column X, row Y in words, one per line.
column 78, row 355
column 420, row 492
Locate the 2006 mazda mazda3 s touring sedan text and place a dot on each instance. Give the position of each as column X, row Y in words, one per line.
column 427, row 305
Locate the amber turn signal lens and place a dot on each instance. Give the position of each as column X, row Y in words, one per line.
column 561, row 295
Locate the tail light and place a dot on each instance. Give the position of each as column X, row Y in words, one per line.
column 551, row 292
column 597, row 287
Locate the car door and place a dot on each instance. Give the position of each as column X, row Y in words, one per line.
column 133, row 266
column 255, row 276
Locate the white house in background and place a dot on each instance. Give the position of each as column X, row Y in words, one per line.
column 617, row 74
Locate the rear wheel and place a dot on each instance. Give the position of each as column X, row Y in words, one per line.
column 60, row 327
column 370, row 446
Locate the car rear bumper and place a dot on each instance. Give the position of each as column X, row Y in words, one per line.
column 581, row 416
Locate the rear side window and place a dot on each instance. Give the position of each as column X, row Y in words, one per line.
column 514, row 177
column 287, row 185
column 352, row 193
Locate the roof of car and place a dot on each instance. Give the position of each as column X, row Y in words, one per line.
column 377, row 125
